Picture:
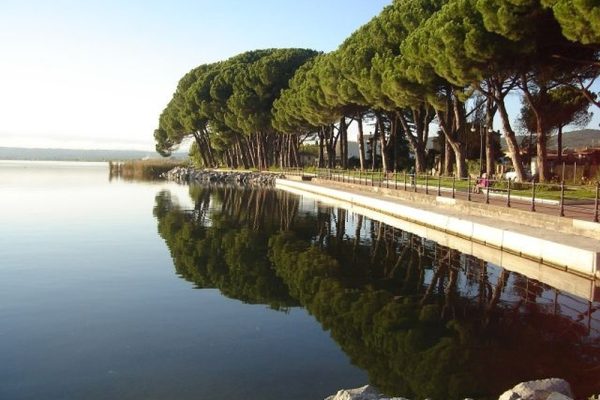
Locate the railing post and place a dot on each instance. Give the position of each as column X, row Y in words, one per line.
column 387, row 181
column 469, row 188
column 453, row 186
column 360, row 176
column 372, row 178
column 396, row 179
column 439, row 193
column 596, row 202
column 508, row 194
column 414, row 179
column 405, row 181
column 562, row 199
column 426, row 183
column 487, row 194
column 533, row 197
column 381, row 177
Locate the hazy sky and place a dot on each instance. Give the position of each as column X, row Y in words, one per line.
column 97, row 74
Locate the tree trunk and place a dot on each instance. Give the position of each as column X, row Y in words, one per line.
column 361, row 142
column 448, row 158
column 542, row 151
column 415, row 141
column 457, row 146
column 242, row 156
column 248, row 143
column 343, row 143
column 374, row 140
column 384, row 160
column 391, row 142
column 201, row 149
column 260, row 150
column 321, row 160
column 540, row 130
column 511, row 141
column 294, row 157
column 498, row 92
column 330, row 141
column 382, row 140
column 490, row 163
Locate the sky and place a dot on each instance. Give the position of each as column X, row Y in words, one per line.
column 93, row 74
column 97, row 74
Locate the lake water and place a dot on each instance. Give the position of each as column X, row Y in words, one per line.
column 130, row 290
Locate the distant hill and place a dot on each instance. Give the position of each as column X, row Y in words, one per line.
column 17, row 153
column 576, row 139
column 571, row 140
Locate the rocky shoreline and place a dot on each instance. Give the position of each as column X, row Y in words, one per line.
column 191, row 175
column 543, row 389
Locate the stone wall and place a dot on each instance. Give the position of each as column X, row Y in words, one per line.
column 191, row 175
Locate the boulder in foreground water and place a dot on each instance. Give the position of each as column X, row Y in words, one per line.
column 362, row 393
column 543, row 389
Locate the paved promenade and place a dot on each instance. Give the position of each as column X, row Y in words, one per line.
column 578, row 211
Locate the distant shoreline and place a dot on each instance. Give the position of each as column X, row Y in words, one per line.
column 84, row 155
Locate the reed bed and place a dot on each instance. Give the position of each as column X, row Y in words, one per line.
column 143, row 169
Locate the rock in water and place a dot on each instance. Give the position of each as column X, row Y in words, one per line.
column 362, row 393
column 543, row 389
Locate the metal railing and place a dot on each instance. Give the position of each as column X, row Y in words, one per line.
column 575, row 201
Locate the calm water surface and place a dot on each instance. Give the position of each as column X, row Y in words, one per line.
column 112, row 289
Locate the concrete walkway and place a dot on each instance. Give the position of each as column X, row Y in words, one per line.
column 561, row 242
column 579, row 210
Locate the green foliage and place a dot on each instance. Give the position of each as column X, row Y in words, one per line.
column 227, row 100
column 560, row 106
column 414, row 55
column 579, row 19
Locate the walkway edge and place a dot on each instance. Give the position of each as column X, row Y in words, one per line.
column 568, row 257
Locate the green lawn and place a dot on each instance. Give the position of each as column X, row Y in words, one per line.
column 543, row 191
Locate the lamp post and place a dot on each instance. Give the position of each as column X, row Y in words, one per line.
column 481, row 128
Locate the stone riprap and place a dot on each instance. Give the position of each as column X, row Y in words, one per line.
column 191, row 175
column 543, row 389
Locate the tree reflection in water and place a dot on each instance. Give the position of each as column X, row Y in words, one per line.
column 422, row 319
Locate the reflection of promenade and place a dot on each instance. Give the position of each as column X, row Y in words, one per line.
column 550, row 241
column 423, row 318
column 575, row 284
